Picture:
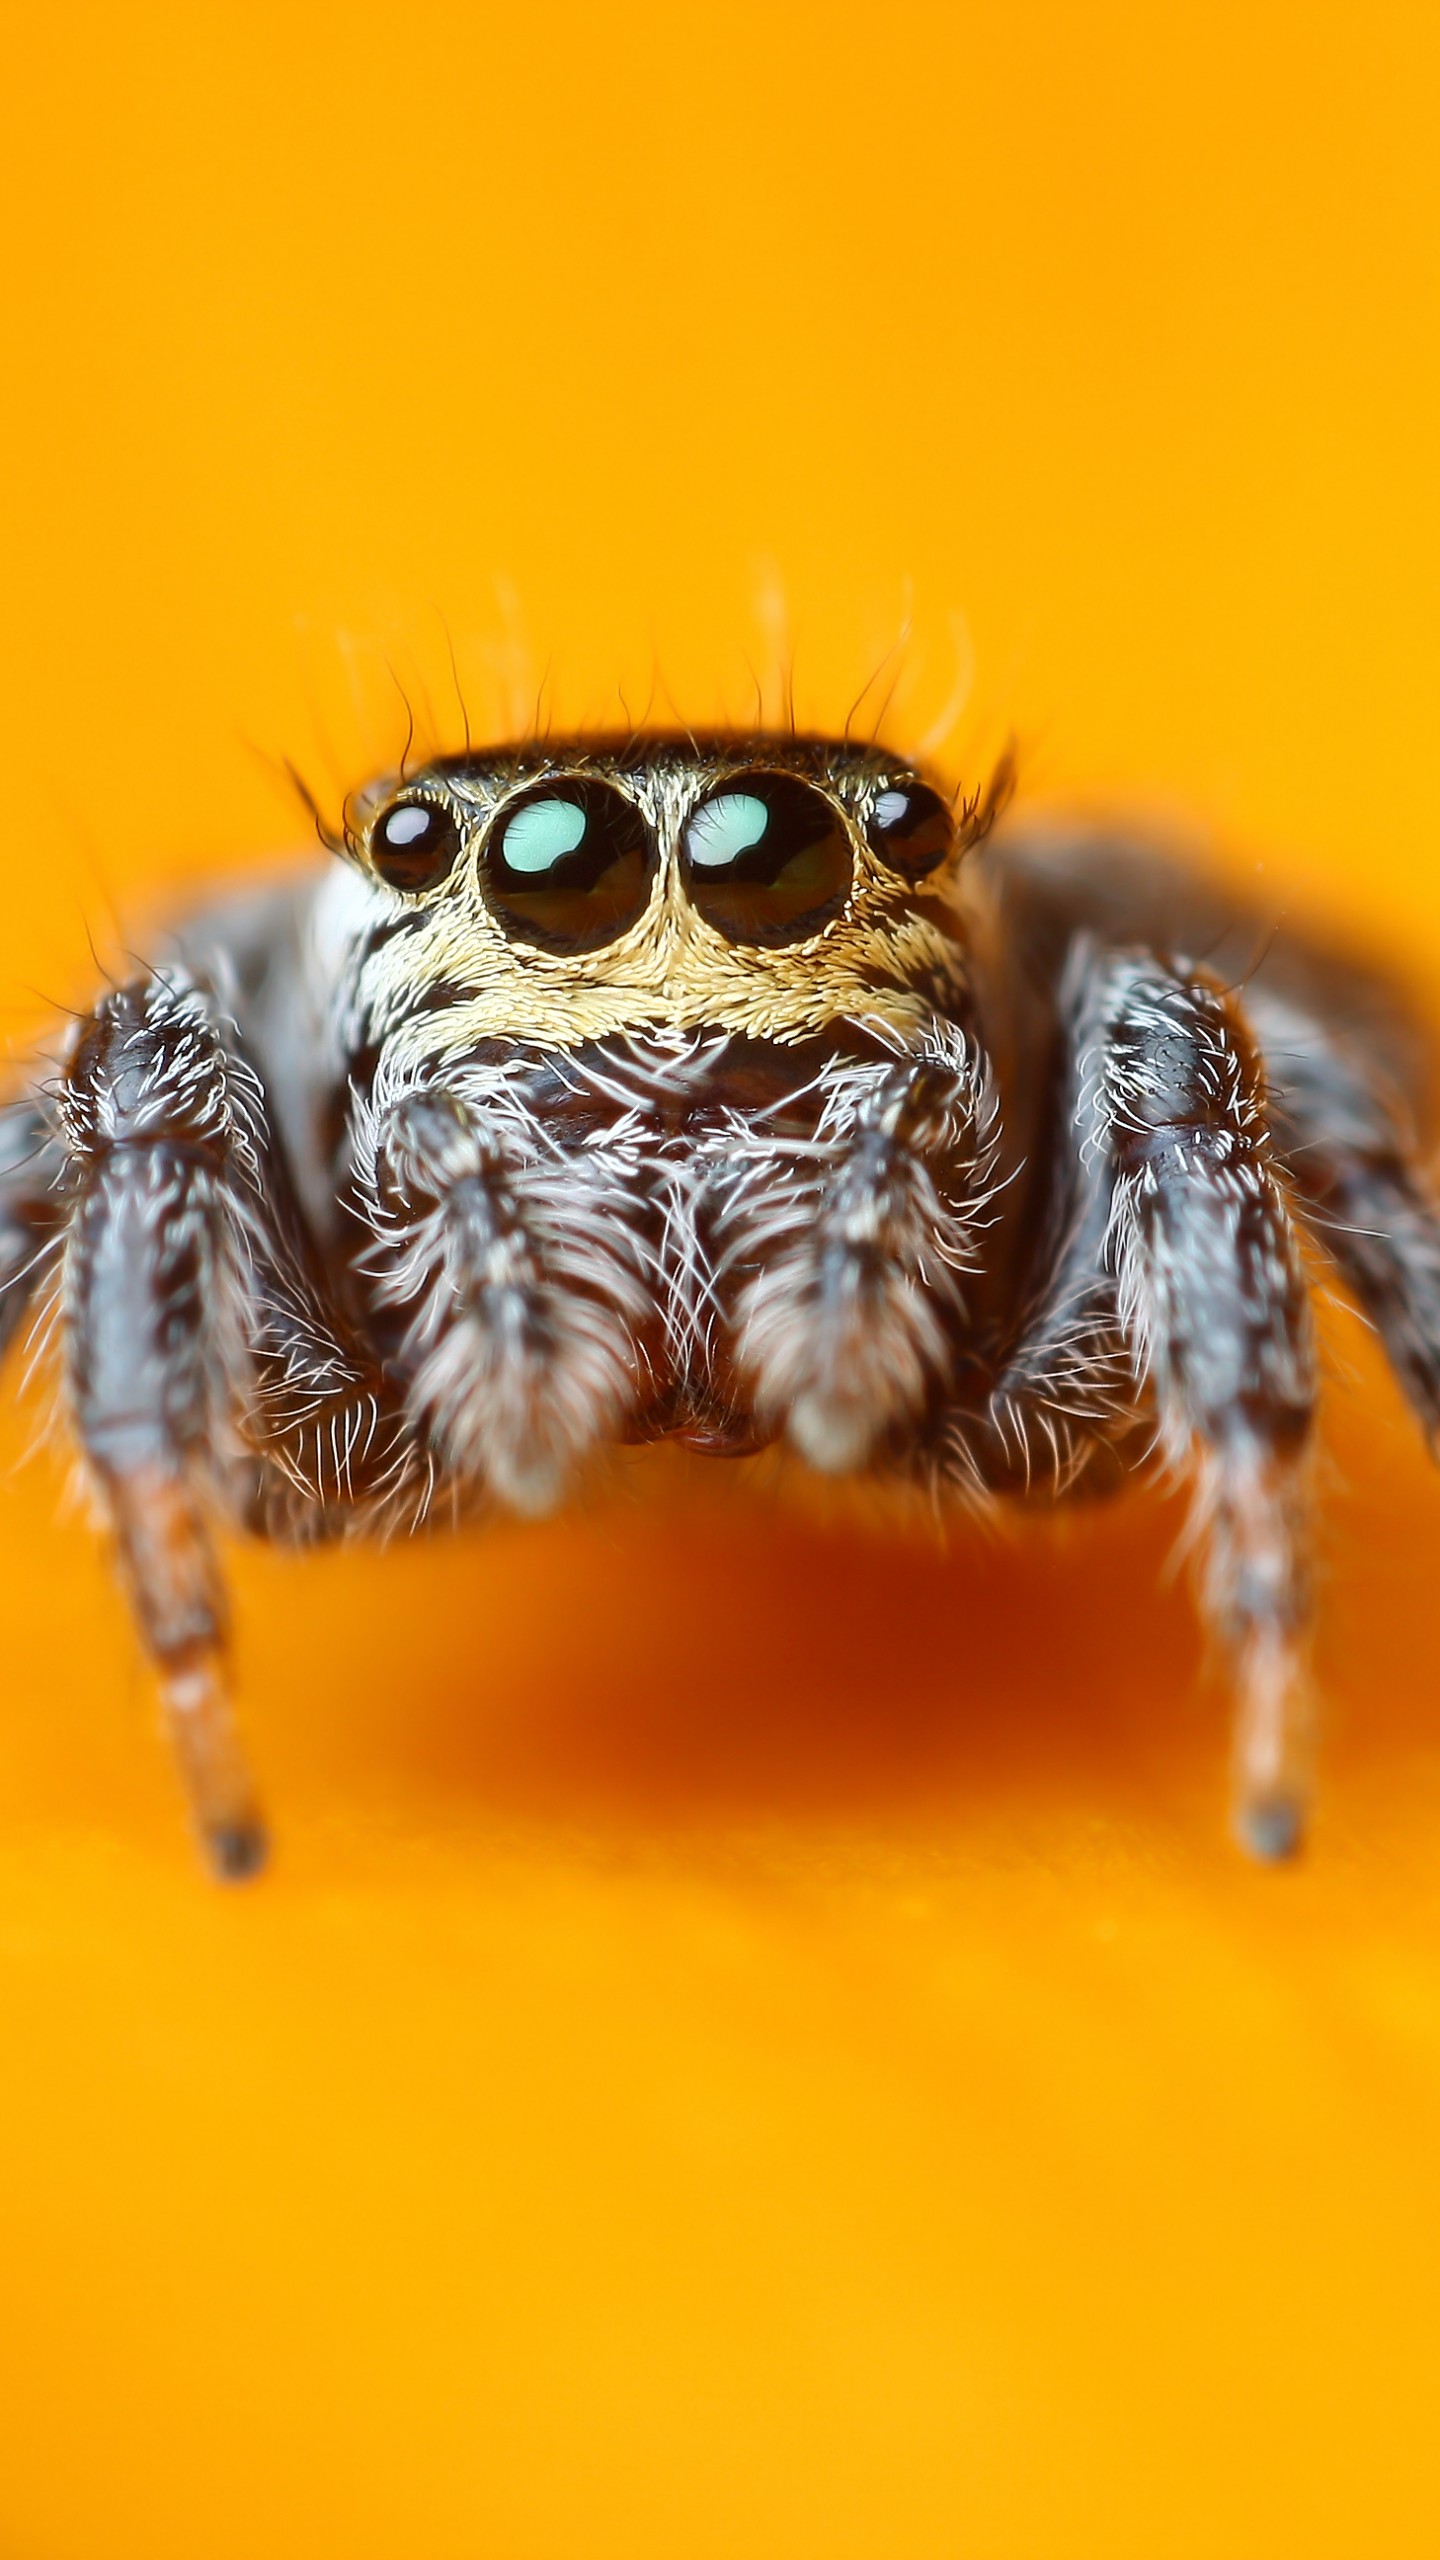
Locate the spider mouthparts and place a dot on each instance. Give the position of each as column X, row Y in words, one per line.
column 836, row 1434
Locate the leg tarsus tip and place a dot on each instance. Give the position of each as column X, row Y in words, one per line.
column 1272, row 1829
column 237, row 1850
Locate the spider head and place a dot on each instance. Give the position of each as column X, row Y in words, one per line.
column 770, row 885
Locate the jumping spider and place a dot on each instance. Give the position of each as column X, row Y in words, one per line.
column 727, row 1089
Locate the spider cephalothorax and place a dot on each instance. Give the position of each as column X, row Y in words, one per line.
column 768, row 888
column 735, row 1089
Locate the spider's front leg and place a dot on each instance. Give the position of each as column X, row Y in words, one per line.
column 1214, row 1297
column 202, row 1370
column 1174, row 1258
column 1347, row 1134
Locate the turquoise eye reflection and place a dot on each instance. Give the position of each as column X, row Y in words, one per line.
column 541, row 835
column 767, row 859
column 569, row 865
column 726, row 827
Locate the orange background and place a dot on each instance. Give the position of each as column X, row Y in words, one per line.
column 755, row 2041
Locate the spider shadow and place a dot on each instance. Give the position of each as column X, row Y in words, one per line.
column 711, row 1666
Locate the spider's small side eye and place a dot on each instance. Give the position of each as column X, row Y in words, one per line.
column 911, row 829
column 413, row 844
column 767, row 858
column 568, row 865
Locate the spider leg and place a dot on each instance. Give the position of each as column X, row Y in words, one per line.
column 31, row 1166
column 1193, row 1269
column 1344, row 1060
column 1346, row 1131
column 1214, row 1291
column 184, row 1307
column 517, row 1273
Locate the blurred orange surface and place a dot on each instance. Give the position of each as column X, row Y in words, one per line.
column 755, row 2041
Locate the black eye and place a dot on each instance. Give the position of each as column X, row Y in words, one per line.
column 568, row 866
column 911, row 829
column 413, row 843
column 767, row 858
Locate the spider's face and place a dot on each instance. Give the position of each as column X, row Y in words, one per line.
column 564, row 893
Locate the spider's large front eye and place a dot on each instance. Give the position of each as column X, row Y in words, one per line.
column 413, row 844
column 568, row 866
column 767, row 858
column 911, row 829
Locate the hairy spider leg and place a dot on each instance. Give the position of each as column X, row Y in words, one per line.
column 183, row 1308
column 31, row 1210
column 1056, row 1386
column 1347, row 1133
column 1214, row 1296
column 1344, row 1065
column 1174, row 1259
